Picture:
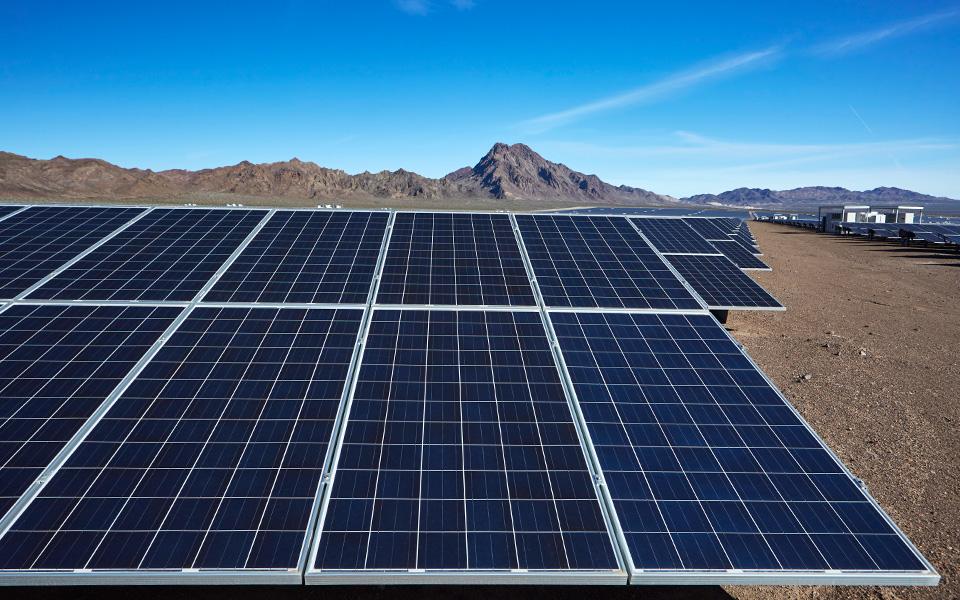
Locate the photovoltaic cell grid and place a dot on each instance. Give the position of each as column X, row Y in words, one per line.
column 599, row 262
column 720, row 283
column 306, row 257
column 708, row 467
column 456, row 259
column 39, row 240
column 169, row 254
column 460, row 453
column 57, row 365
column 211, row 459
column 739, row 255
column 673, row 236
column 7, row 209
column 707, row 228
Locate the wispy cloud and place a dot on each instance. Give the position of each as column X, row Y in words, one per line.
column 671, row 84
column 422, row 8
column 686, row 163
column 734, row 153
column 414, row 7
column 864, row 39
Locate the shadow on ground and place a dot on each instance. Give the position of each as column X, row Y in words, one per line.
column 372, row 593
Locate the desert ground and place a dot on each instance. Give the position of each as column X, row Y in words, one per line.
column 877, row 328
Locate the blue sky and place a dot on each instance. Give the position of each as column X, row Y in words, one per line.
column 679, row 98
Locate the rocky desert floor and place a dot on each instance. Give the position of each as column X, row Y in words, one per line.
column 877, row 328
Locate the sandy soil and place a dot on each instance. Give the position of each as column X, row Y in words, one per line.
column 877, row 327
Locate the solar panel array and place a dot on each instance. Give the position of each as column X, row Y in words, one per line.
column 598, row 262
column 40, row 239
column 740, row 256
column 721, row 284
column 674, row 236
column 711, row 267
column 306, row 257
column 460, row 453
column 57, row 365
column 708, row 466
column 209, row 460
column 454, row 259
column 169, row 254
column 288, row 396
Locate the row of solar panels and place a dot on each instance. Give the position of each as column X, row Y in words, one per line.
column 930, row 233
column 192, row 441
column 131, row 254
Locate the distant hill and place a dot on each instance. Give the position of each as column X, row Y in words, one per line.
column 506, row 172
column 811, row 197
column 507, row 175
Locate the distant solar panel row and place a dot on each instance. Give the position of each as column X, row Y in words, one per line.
column 674, row 236
column 599, row 262
column 707, row 228
column 720, row 283
column 739, row 255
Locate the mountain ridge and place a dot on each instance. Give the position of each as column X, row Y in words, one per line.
column 507, row 174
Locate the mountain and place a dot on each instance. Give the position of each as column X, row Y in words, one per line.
column 505, row 173
column 811, row 197
column 516, row 171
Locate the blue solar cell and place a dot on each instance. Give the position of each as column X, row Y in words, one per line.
column 169, row 254
column 306, row 256
column 211, row 459
column 708, row 228
column 740, row 256
column 460, row 452
column 457, row 259
column 7, row 209
column 599, row 262
column 673, row 236
column 720, row 283
column 39, row 240
column 57, row 365
column 707, row 466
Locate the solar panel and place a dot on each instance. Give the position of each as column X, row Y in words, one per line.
column 709, row 469
column 462, row 259
column 673, row 236
column 740, row 256
column 599, row 262
column 211, row 459
column 306, row 257
column 37, row 241
column 707, row 228
column 729, row 224
column 743, row 234
column 460, row 454
column 721, row 284
column 169, row 254
column 8, row 209
column 57, row 365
